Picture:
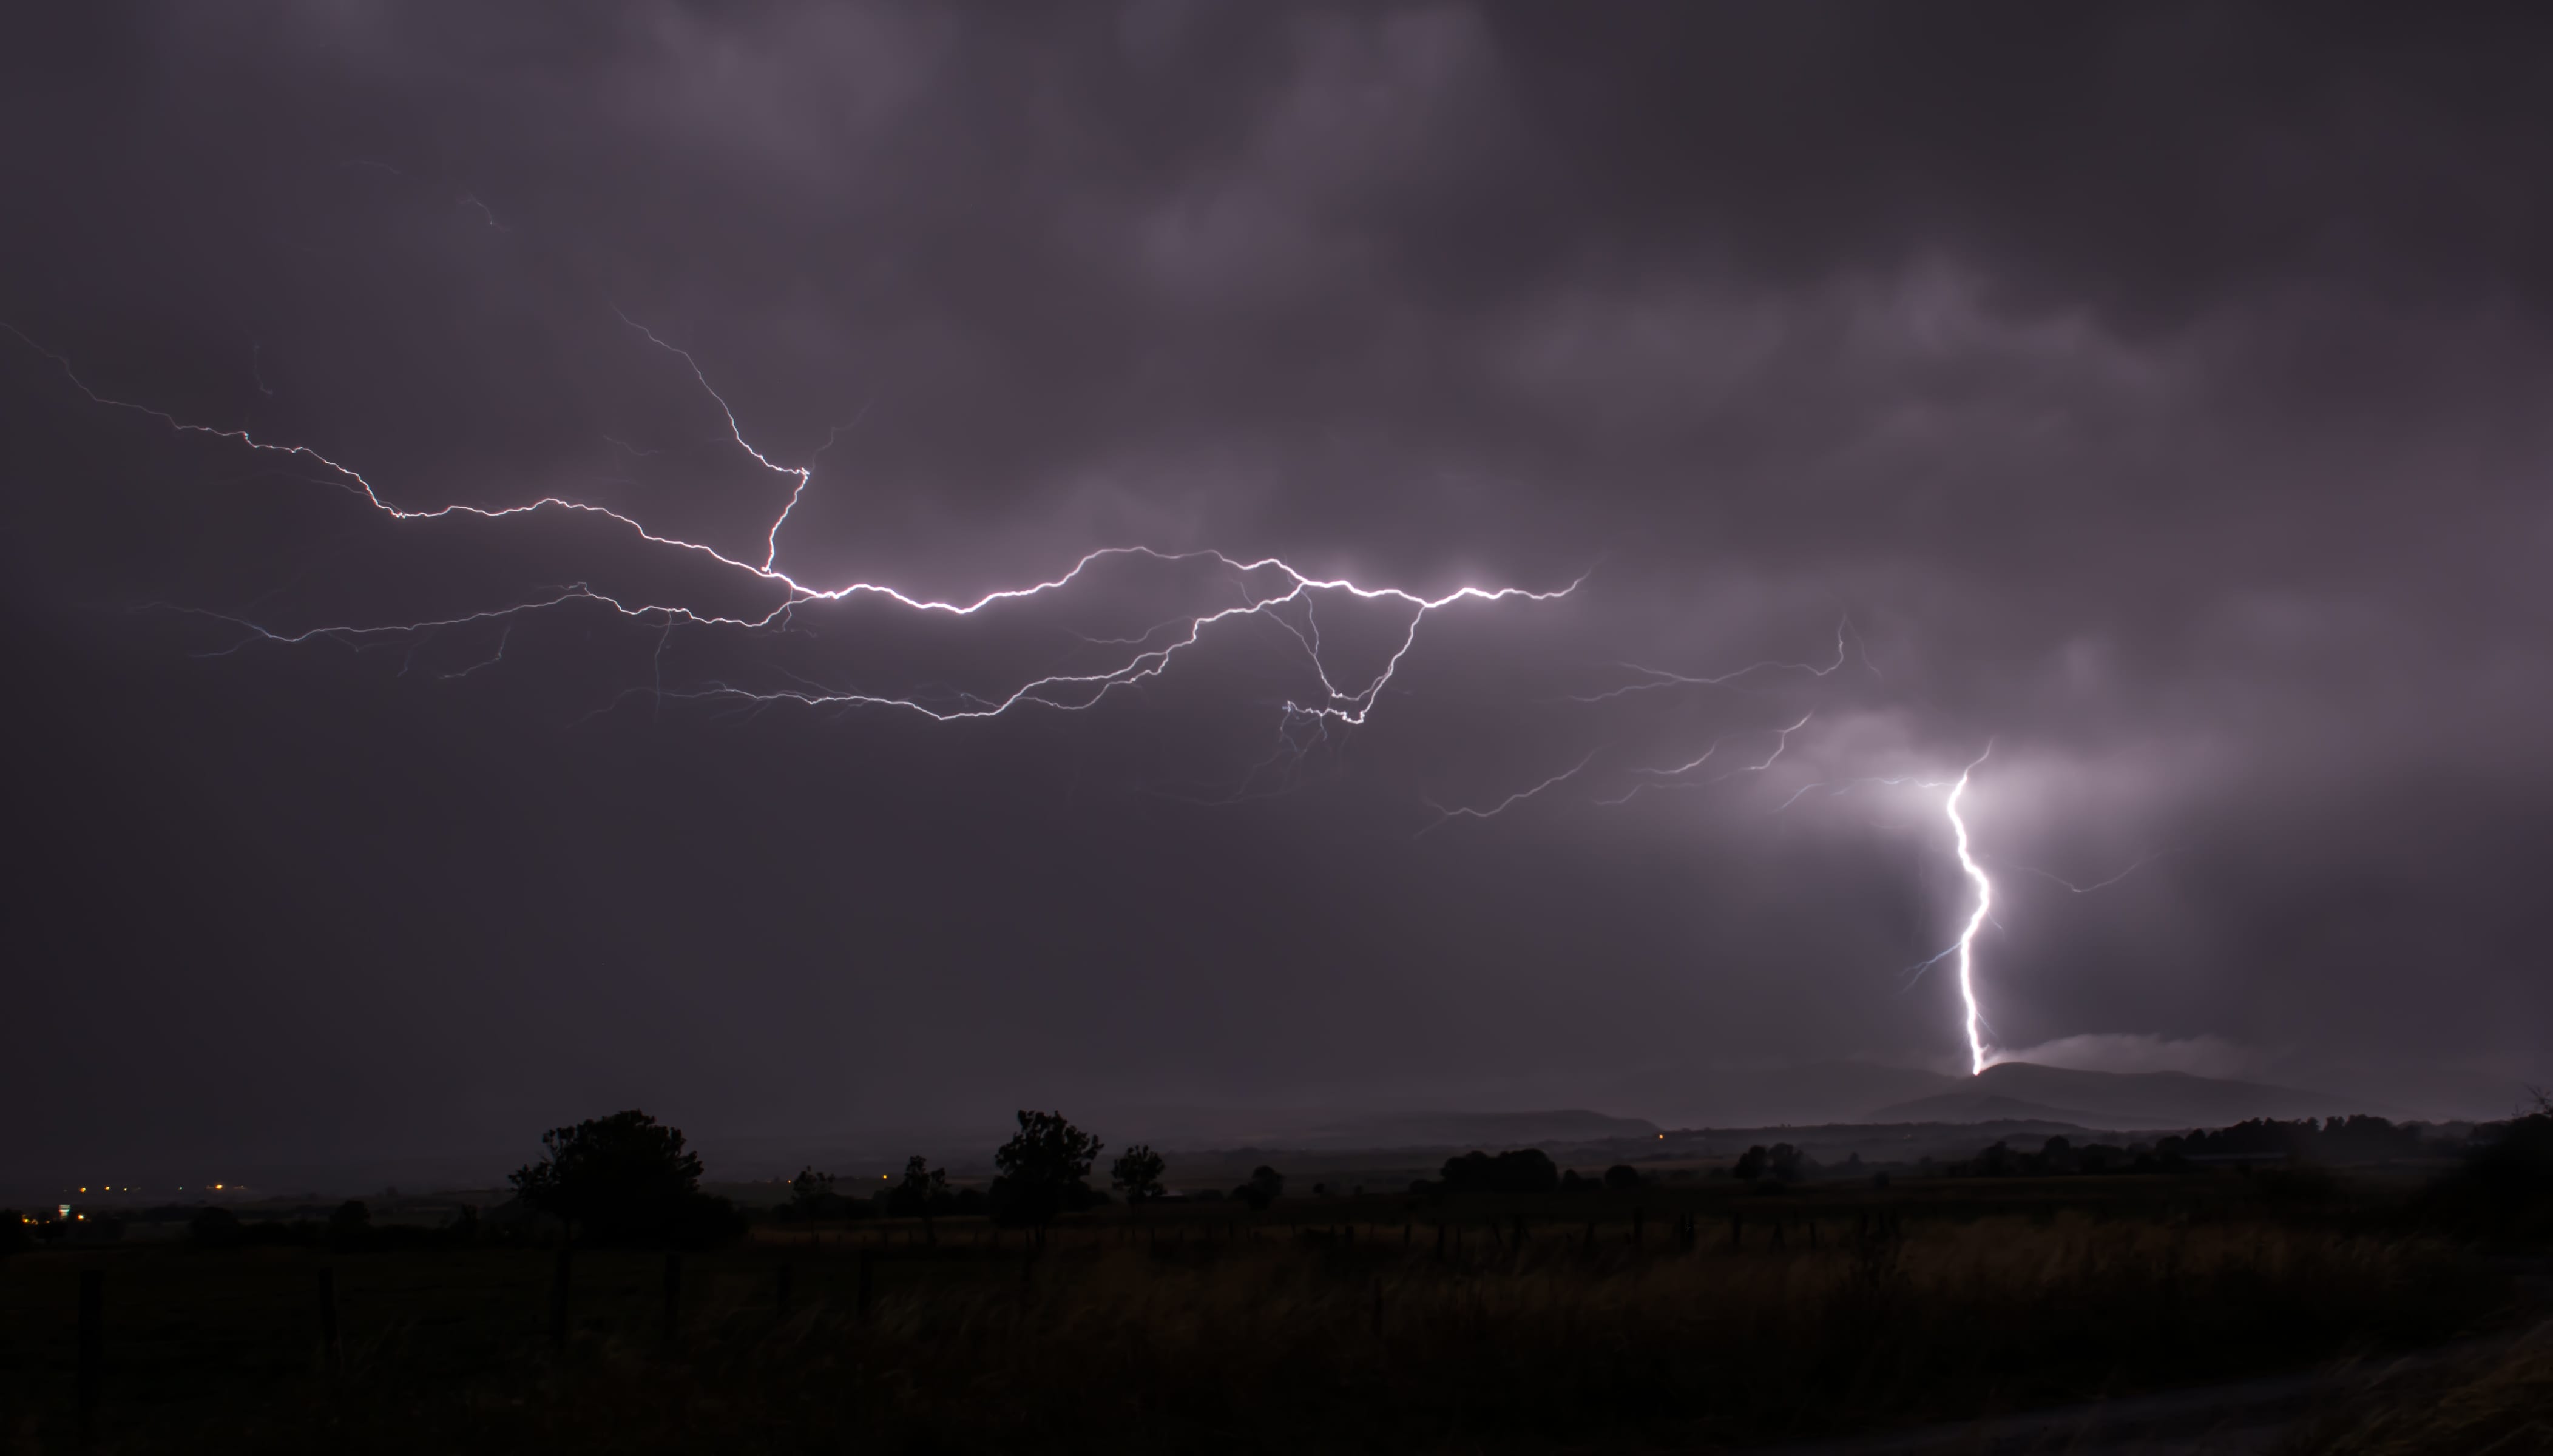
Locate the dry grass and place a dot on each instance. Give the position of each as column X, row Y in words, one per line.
column 1300, row 1343
column 2497, row 1405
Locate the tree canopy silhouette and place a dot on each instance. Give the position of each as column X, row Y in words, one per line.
column 812, row 1196
column 1041, row 1171
column 1137, row 1174
column 1522, row 1171
column 626, row 1178
column 923, row 1193
column 1265, row 1187
column 1782, row 1162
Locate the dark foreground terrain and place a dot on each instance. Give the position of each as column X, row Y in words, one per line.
column 1688, row 1318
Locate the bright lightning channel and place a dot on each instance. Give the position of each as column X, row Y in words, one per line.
column 1976, row 918
column 1266, row 584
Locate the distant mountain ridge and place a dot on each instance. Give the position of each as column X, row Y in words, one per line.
column 1474, row 1129
column 2123, row 1101
column 1804, row 1093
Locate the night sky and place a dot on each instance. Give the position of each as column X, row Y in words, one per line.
column 2155, row 394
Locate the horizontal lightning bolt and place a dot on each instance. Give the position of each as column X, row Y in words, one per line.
column 1266, row 584
column 2051, row 875
column 1517, row 797
column 1660, row 677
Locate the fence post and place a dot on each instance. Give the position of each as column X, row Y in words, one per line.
column 93, row 1351
column 1639, row 1225
column 329, row 1359
column 1736, row 1230
column 1377, row 1307
column 860, row 1306
column 673, row 1293
column 780, row 1293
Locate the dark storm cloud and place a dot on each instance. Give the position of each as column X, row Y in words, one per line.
column 2156, row 387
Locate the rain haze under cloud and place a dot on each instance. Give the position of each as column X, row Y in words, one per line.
column 2154, row 393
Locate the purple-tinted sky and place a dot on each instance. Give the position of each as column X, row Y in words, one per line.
column 2157, row 392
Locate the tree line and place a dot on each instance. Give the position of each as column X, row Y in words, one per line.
column 628, row 1180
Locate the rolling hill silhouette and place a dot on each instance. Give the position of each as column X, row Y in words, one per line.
column 2126, row 1100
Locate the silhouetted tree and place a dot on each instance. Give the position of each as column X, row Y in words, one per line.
column 349, row 1225
column 1137, row 1174
column 214, row 1227
column 1265, row 1186
column 1750, row 1164
column 924, row 1192
column 811, row 1193
column 1041, row 1171
column 1522, row 1171
column 1998, row 1161
column 624, row 1177
column 2507, row 1181
column 1786, row 1163
column 1622, row 1176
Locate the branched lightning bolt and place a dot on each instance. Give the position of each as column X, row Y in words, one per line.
column 1673, row 776
column 486, row 213
column 1661, row 678
column 1502, row 806
column 1264, row 586
column 2051, row 875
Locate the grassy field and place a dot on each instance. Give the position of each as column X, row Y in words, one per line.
column 2499, row 1403
column 1330, row 1324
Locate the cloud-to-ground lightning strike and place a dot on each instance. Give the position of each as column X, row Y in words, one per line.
column 1265, row 584
column 1976, row 918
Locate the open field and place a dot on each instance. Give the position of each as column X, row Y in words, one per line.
column 1366, row 1324
column 2500, row 1402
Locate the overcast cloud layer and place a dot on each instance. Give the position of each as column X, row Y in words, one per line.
column 2155, row 394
